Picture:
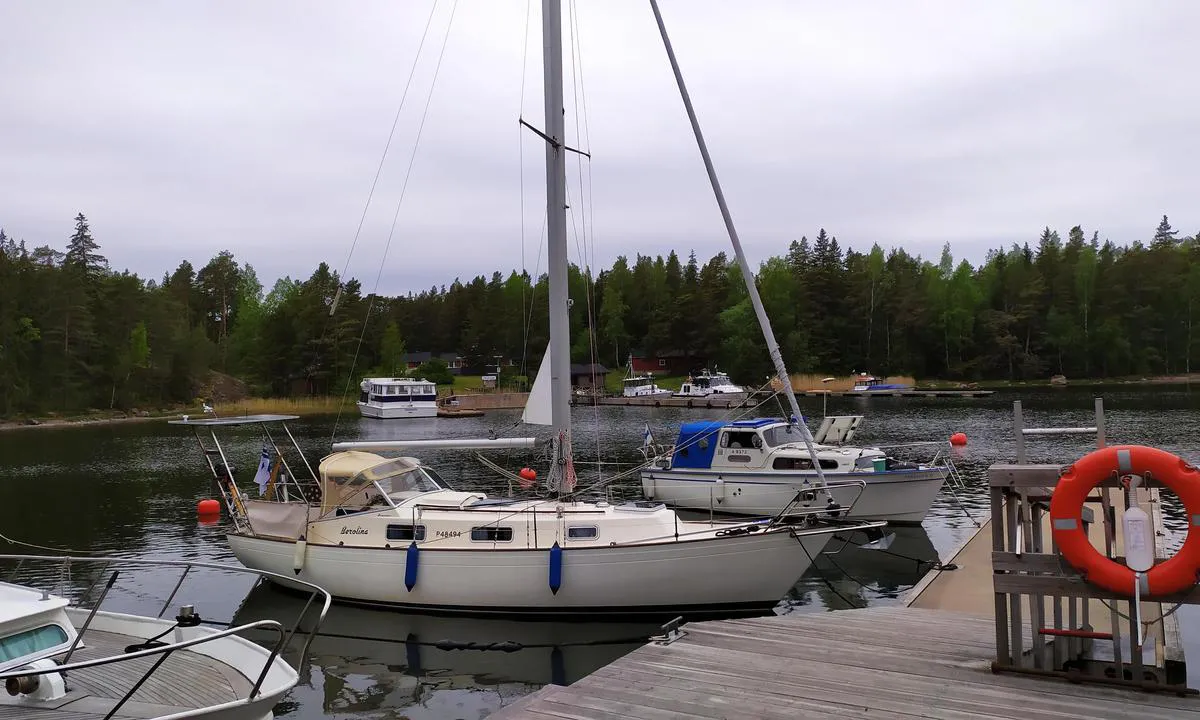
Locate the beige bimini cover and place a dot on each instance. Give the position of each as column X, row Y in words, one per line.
column 347, row 478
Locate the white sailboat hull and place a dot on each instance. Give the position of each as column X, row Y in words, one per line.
column 396, row 411
column 901, row 496
column 756, row 570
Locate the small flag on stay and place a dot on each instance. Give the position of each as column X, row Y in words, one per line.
column 263, row 476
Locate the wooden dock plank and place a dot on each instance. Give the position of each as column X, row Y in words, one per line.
column 873, row 663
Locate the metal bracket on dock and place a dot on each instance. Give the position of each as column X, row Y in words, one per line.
column 671, row 632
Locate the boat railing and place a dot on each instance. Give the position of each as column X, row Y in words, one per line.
column 810, row 494
column 316, row 596
column 165, row 651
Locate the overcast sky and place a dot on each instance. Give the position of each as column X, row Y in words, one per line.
column 184, row 128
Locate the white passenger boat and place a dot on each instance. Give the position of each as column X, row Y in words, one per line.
column 757, row 467
column 71, row 660
column 392, row 398
column 642, row 386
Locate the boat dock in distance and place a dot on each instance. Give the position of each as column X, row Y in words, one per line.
column 741, row 399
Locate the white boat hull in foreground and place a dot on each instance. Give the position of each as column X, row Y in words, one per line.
column 64, row 661
column 900, row 496
column 756, row 569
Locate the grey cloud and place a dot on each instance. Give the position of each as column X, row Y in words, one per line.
column 185, row 128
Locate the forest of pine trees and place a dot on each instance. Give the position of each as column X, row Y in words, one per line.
column 76, row 334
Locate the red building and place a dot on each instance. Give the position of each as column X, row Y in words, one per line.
column 667, row 362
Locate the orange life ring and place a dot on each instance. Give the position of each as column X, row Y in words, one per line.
column 1177, row 574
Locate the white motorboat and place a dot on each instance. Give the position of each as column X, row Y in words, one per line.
column 64, row 659
column 642, row 386
column 389, row 398
column 705, row 383
column 757, row 467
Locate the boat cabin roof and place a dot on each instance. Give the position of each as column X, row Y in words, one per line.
column 397, row 381
column 755, row 422
column 18, row 602
column 237, row 420
column 349, row 477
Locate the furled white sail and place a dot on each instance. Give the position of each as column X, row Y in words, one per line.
column 537, row 406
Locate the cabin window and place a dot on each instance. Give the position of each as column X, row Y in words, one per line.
column 492, row 534
column 582, row 533
column 406, row 532
column 740, row 439
column 28, row 642
column 785, row 463
column 662, row 362
column 781, row 435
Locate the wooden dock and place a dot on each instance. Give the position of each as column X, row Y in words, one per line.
column 897, row 393
column 710, row 402
column 736, row 400
column 883, row 662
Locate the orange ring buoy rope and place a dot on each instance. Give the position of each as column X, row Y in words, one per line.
column 1177, row 574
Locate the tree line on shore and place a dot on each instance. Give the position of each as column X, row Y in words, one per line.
column 76, row 334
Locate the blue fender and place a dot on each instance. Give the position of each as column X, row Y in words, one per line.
column 411, row 560
column 556, row 563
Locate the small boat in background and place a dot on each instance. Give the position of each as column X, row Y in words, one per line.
column 70, row 659
column 394, row 398
column 864, row 382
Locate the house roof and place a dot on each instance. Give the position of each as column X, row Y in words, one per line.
column 589, row 369
column 424, row 356
column 640, row 355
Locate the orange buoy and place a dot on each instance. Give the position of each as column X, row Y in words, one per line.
column 207, row 507
column 209, row 520
column 958, row 438
column 1066, row 507
column 528, row 476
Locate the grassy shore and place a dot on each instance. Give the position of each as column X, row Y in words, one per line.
column 303, row 406
column 328, row 405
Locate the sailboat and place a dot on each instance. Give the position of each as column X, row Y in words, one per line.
column 388, row 531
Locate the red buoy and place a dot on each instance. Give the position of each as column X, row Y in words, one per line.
column 528, row 476
column 958, row 438
column 207, row 507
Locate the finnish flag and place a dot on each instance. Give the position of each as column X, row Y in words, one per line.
column 647, row 438
column 263, row 476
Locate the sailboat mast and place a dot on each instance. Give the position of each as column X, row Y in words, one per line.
column 556, row 218
column 748, row 275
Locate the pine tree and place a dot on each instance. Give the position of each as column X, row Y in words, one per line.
column 81, row 251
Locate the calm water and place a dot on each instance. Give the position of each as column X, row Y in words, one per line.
column 132, row 490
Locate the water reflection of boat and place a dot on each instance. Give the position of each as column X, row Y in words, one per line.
column 864, row 572
column 408, row 656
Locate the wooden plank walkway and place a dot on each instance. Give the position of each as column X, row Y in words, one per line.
column 886, row 662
